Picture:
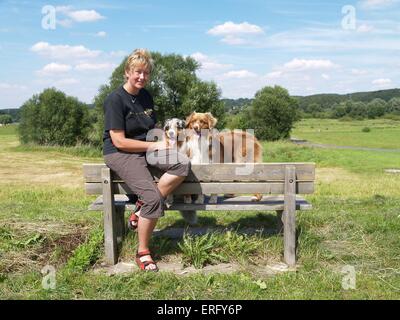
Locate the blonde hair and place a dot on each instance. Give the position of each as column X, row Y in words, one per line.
column 139, row 57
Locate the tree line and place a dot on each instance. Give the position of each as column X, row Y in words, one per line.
column 53, row 118
column 357, row 110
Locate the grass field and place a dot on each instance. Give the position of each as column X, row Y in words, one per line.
column 384, row 133
column 355, row 222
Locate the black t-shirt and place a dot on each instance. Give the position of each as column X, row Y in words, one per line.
column 132, row 113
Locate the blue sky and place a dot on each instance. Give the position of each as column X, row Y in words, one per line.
column 313, row 46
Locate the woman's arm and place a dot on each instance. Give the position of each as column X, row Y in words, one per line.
column 131, row 145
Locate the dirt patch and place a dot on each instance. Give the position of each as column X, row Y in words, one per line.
column 31, row 246
column 174, row 266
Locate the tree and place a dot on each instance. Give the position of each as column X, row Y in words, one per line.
column 339, row 110
column 313, row 108
column 5, row 119
column 52, row 118
column 376, row 108
column 394, row 105
column 242, row 120
column 273, row 113
column 358, row 110
column 174, row 86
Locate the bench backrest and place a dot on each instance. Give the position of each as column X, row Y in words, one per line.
column 265, row 178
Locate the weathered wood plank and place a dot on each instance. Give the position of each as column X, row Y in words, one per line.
column 215, row 188
column 219, row 172
column 110, row 224
column 289, row 218
column 268, row 203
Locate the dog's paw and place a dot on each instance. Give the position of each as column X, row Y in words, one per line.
column 256, row 197
column 213, row 198
column 200, row 199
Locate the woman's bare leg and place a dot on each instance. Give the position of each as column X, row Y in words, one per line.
column 166, row 185
column 168, row 182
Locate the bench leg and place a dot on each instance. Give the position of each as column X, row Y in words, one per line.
column 279, row 223
column 120, row 221
column 289, row 216
column 110, row 217
column 190, row 216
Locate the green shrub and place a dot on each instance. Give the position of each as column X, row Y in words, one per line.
column 198, row 251
column 273, row 113
column 52, row 118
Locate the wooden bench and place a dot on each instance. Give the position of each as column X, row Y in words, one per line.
column 280, row 183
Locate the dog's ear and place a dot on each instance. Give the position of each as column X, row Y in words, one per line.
column 182, row 123
column 166, row 124
column 211, row 120
column 189, row 118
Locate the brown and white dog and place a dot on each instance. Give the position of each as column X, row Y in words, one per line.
column 236, row 146
column 202, row 144
column 240, row 146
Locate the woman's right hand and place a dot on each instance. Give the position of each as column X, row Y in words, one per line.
column 159, row 145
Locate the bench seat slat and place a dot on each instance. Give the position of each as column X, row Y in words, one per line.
column 268, row 203
column 220, row 172
column 216, row 188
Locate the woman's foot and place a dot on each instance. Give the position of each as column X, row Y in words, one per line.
column 145, row 261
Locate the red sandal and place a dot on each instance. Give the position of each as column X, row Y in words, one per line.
column 134, row 219
column 143, row 264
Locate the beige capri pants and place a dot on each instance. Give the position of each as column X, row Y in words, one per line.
column 133, row 169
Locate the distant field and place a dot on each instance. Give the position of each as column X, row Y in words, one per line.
column 8, row 130
column 384, row 133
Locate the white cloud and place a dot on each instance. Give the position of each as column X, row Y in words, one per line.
column 274, row 74
column 382, row 82
column 94, row 66
column 376, row 4
column 230, row 28
column 304, row 64
column 54, row 68
column 208, row 65
column 239, row 74
column 101, row 34
column 233, row 40
column 85, row 15
column 63, row 51
column 233, row 33
column 76, row 15
column 325, row 76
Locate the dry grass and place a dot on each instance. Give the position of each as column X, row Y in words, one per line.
column 31, row 245
column 344, row 183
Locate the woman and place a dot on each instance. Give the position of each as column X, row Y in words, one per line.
column 129, row 116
